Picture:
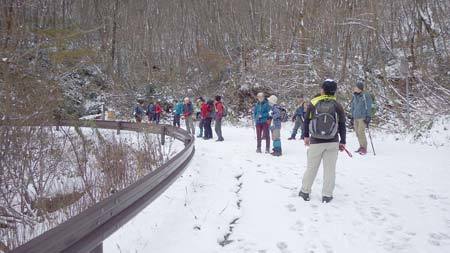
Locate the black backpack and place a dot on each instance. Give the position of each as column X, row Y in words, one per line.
column 284, row 115
column 324, row 123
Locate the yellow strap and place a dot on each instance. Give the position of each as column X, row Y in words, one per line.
column 316, row 100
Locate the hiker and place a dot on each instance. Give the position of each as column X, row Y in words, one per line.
column 275, row 114
column 361, row 108
column 261, row 119
column 207, row 114
column 188, row 110
column 151, row 112
column 299, row 118
column 158, row 111
column 219, row 108
column 201, row 121
column 325, row 120
column 177, row 111
column 138, row 111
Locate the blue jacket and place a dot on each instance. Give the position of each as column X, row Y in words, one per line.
column 151, row 109
column 276, row 117
column 179, row 108
column 299, row 113
column 138, row 111
column 361, row 105
column 261, row 112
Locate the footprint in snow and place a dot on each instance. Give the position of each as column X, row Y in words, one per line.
column 283, row 247
column 270, row 180
column 291, row 208
column 437, row 239
column 299, row 227
column 327, row 247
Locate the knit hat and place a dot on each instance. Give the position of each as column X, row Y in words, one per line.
column 273, row 99
column 329, row 86
column 360, row 85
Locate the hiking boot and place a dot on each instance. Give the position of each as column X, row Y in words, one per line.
column 258, row 150
column 291, row 138
column 304, row 196
column 326, row 199
column 363, row 151
column 359, row 149
column 276, row 153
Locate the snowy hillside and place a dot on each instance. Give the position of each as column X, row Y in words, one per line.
column 231, row 199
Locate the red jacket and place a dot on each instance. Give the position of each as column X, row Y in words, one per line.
column 219, row 109
column 158, row 108
column 205, row 110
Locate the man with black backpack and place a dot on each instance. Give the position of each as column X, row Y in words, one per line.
column 361, row 109
column 324, row 124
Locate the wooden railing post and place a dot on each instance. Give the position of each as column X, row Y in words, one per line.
column 163, row 135
column 119, row 125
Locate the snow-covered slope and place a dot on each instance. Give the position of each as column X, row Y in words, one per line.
column 231, row 199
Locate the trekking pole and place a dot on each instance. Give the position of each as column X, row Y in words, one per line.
column 371, row 142
column 348, row 152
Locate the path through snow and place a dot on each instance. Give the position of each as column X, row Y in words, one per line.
column 231, row 199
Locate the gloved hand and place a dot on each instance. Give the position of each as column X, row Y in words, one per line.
column 367, row 121
column 269, row 121
column 341, row 147
column 306, row 141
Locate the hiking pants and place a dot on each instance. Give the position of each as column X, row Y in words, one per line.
column 360, row 129
column 151, row 117
column 276, row 139
column 262, row 129
column 201, row 125
column 298, row 125
column 157, row 117
column 208, row 129
column 218, row 128
column 189, row 124
column 176, row 120
column 328, row 152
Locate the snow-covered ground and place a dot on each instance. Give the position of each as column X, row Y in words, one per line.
column 231, row 199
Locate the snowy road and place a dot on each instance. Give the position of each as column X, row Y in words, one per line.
column 231, row 199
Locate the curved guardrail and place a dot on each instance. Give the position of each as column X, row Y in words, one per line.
column 86, row 231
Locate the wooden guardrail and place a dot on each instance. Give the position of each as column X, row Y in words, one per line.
column 86, row 231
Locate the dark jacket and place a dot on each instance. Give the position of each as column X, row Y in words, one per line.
column 261, row 112
column 138, row 111
column 188, row 109
column 299, row 113
column 342, row 131
column 151, row 109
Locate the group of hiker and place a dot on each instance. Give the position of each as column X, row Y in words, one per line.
column 322, row 123
column 206, row 112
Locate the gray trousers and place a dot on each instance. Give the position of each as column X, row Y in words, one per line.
column 328, row 152
column 218, row 128
column 298, row 125
column 190, row 124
